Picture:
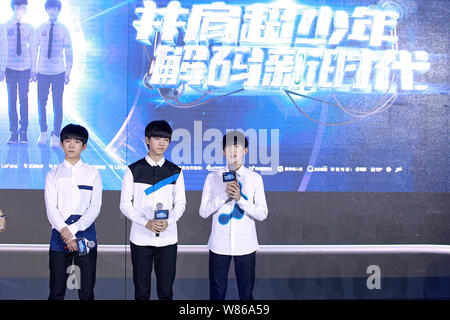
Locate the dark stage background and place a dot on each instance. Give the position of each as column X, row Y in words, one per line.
column 295, row 218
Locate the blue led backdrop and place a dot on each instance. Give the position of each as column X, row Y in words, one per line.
column 333, row 95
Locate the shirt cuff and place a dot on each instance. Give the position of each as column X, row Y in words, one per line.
column 242, row 203
column 143, row 221
column 57, row 228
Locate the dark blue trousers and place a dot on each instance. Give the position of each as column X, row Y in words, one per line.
column 57, row 84
column 219, row 265
column 18, row 82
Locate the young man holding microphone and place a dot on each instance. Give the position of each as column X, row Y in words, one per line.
column 235, row 199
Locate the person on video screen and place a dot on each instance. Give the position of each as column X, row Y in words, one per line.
column 20, row 68
column 54, row 64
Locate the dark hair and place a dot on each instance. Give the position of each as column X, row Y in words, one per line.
column 18, row 3
column 234, row 138
column 53, row 4
column 74, row 131
column 158, row 128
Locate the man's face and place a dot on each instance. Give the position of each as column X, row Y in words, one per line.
column 158, row 145
column 72, row 148
column 20, row 10
column 235, row 154
column 53, row 13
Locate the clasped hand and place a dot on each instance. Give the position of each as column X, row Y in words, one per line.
column 67, row 237
column 157, row 226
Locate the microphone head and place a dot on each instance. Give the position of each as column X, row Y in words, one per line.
column 231, row 167
column 91, row 244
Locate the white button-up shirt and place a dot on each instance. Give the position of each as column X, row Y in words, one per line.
column 139, row 207
column 73, row 190
column 238, row 235
column 27, row 58
column 61, row 47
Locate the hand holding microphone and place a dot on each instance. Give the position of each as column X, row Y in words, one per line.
column 159, row 223
column 233, row 190
column 157, row 226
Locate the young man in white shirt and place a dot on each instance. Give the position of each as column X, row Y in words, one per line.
column 20, row 68
column 54, row 64
column 73, row 197
column 150, row 185
column 234, row 207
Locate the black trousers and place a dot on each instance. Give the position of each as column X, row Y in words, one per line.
column 219, row 265
column 83, row 273
column 165, row 259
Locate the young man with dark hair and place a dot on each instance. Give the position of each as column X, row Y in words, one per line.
column 151, row 186
column 54, row 64
column 20, row 68
column 235, row 205
column 73, row 197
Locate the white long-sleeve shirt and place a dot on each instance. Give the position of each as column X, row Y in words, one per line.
column 236, row 235
column 73, row 190
column 146, row 184
column 27, row 59
column 62, row 54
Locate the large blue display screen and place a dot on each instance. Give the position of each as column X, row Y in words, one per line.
column 332, row 95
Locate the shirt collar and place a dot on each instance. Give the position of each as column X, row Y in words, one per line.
column 67, row 164
column 49, row 23
column 239, row 171
column 153, row 163
column 14, row 20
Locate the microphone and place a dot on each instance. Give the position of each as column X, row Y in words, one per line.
column 230, row 175
column 84, row 246
column 161, row 214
